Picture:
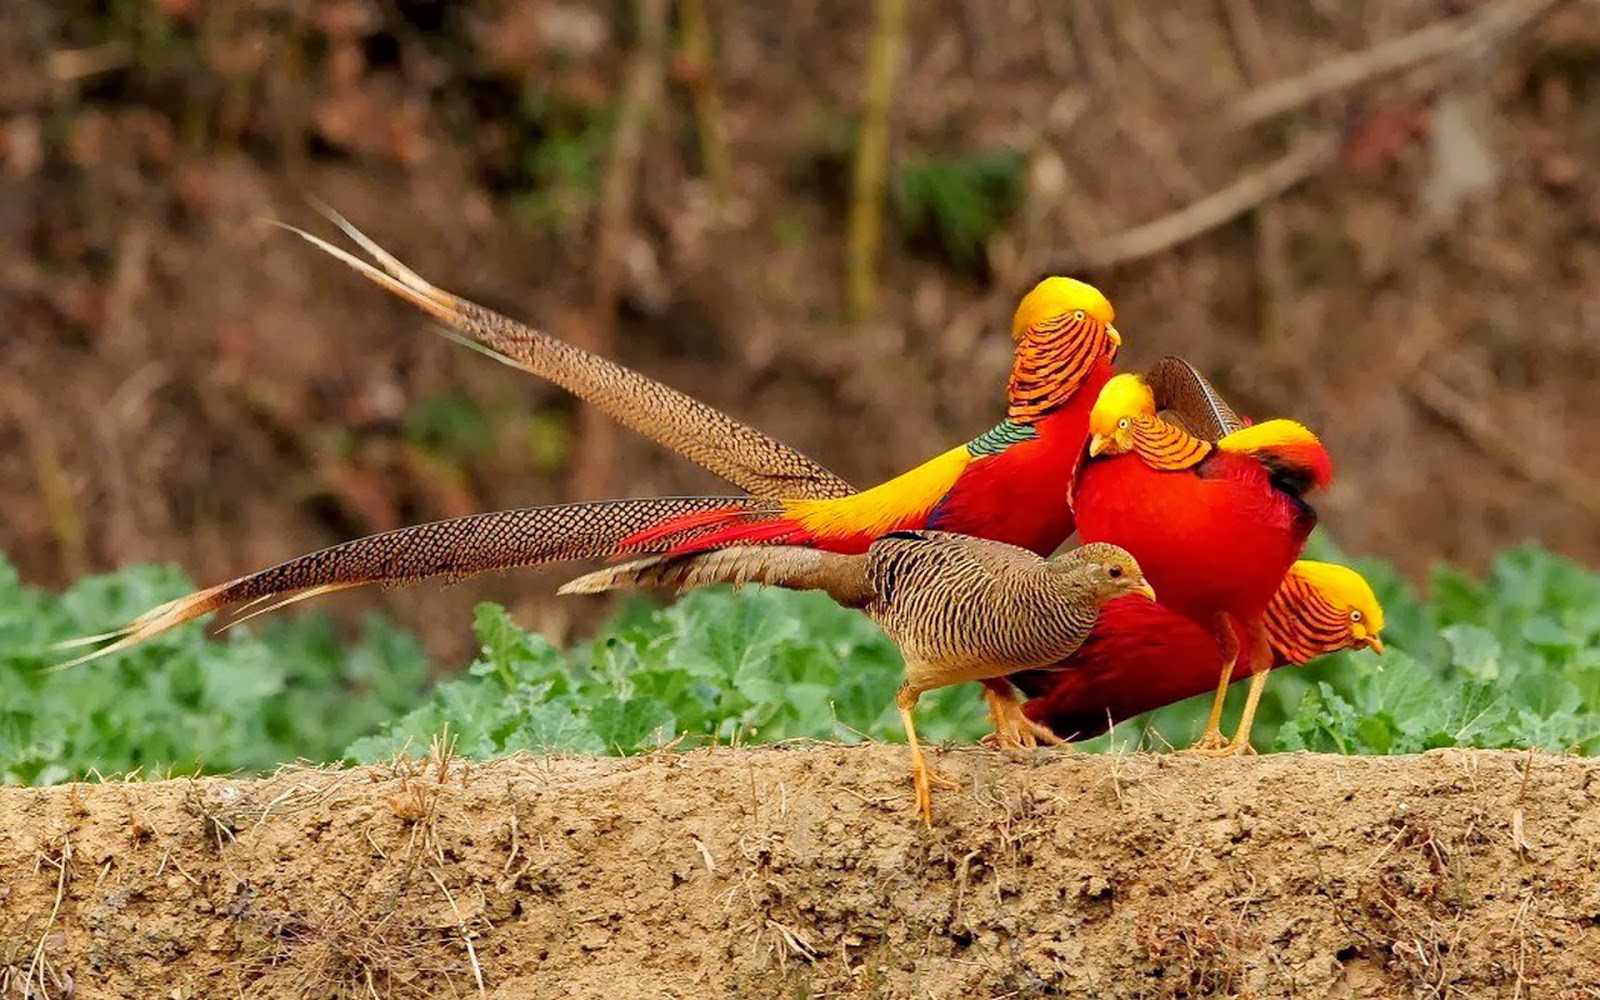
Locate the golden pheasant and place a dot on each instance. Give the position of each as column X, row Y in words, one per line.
column 1142, row 655
column 959, row 608
column 1215, row 524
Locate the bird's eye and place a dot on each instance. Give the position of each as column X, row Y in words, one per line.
column 1355, row 616
column 1115, row 572
column 1077, row 314
column 1124, row 424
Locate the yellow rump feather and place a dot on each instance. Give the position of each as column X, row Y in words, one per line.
column 1267, row 435
column 885, row 506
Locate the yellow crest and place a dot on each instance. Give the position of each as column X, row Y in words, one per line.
column 1344, row 588
column 1056, row 297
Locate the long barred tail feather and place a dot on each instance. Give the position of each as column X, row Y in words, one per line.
column 744, row 456
column 454, row 548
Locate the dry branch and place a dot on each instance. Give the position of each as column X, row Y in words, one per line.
column 695, row 39
column 1473, row 422
column 1462, row 36
column 1248, row 191
column 641, row 97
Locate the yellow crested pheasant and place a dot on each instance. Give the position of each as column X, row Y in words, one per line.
column 959, row 608
column 1216, row 524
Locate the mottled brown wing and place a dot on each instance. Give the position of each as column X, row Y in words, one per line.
column 1186, row 398
column 744, row 456
column 953, row 549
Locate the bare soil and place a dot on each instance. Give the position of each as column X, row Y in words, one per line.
column 802, row 872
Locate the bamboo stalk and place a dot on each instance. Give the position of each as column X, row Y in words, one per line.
column 695, row 42
column 872, row 158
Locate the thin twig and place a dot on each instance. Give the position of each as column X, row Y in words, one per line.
column 641, row 97
column 466, row 934
column 1246, row 192
column 71, row 65
column 39, row 963
column 1518, row 815
column 1249, row 39
column 695, row 39
column 872, row 158
column 1458, row 37
column 1473, row 422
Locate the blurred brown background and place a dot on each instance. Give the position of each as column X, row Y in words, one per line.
column 1380, row 217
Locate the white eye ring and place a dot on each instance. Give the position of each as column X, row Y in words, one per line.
column 1124, row 424
column 1355, row 616
column 1077, row 314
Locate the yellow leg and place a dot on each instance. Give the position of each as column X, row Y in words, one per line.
column 1013, row 730
column 1259, row 656
column 1211, row 740
column 1241, row 739
column 922, row 775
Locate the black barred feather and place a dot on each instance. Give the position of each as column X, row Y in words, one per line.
column 451, row 549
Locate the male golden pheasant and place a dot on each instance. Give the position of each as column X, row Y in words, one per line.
column 1009, row 484
column 1216, row 525
column 959, row 608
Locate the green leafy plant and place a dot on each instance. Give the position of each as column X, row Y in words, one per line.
column 958, row 202
column 182, row 702
column 1513, row 660
column 1509, row 661
column 715, row 666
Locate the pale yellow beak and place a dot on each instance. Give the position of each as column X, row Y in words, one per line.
column 1098, row 443
column 1116, row 338
column 1146, row 590
column 1375, row 644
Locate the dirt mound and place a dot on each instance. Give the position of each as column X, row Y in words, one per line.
column 802, row 872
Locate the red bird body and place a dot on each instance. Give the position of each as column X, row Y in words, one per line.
column 1142, row 655
column 1139, row 656
column 1215, row 526
column 1218, row 538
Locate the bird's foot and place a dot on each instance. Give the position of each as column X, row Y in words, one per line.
column 1018, row 732
column 1219, row 749
column 1210, row 744
column 1013, row 730
column 926, row 780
